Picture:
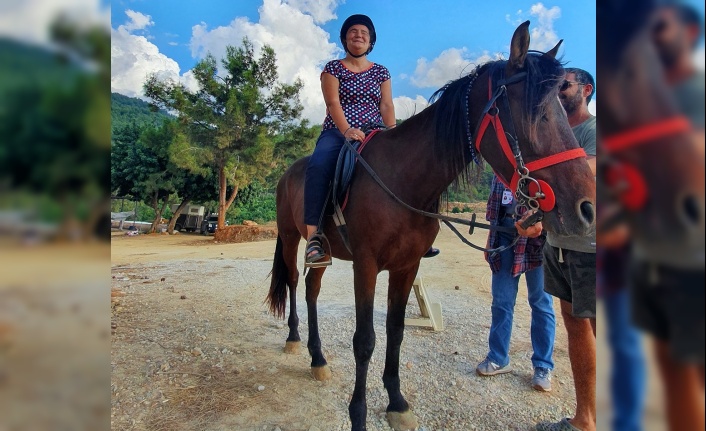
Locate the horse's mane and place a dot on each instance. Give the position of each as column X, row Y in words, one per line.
column 452, row 125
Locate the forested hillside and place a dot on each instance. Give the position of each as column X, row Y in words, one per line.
column 126, row 110
column 22, row 65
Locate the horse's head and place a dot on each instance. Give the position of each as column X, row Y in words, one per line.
column 652, row 167
column 532, row 147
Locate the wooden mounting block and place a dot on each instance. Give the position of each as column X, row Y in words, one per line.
column 431, row 311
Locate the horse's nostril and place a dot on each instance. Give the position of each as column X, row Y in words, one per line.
column 588, row 212
column 692, row 209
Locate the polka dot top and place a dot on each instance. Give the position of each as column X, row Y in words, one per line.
column 359, row 93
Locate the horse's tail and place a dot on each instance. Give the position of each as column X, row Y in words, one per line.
column 277, row 297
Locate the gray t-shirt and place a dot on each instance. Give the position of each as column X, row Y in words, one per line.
column 690, row 98
column 586, row 136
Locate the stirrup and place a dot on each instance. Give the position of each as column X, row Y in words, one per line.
column 317, row 240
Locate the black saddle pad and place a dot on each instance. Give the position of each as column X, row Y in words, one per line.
column 344, row 172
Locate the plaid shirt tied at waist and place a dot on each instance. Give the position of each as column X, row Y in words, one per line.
column 527, row 251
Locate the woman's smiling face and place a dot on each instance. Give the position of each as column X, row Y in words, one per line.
column 358, row 39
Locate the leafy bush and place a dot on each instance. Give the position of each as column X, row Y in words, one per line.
column 255, row 202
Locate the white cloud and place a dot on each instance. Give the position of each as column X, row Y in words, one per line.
column 592, row 106
column 134, row 57
column 405, row 106
column 542, row 36
column 321, row 10
column 449, row 65
column 190, row 81
column 301, row 46
column 29, row 20
column 138, row 21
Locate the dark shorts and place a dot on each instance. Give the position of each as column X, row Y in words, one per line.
column 669, row 304
column 573, row 280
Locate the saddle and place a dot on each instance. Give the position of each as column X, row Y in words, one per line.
column 345, row 166
column 338, row 192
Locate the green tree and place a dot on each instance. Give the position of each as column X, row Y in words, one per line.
column 140, row 166
column 228, row 125
column 160, row 176
column 292, row 143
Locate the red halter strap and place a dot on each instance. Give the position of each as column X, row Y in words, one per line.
column 634, row 191
column 547, row 203
column 646, row 133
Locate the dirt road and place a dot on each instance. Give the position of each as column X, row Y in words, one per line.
column 193, row 346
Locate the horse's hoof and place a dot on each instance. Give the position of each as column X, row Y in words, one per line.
column 292, row 347
column 321, row 373
column 405, row 421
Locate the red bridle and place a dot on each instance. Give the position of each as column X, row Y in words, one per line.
column 537, row 189
column 632, row 187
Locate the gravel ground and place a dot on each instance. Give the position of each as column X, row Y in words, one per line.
column 193, row 346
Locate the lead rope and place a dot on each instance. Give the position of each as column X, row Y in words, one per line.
column 445, row 219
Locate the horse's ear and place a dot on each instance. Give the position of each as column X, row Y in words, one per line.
column 552, row 52
column 519, row 45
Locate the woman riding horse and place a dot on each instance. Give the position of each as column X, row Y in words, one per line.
column 356, row 91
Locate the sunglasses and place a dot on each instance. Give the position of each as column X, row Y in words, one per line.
column 566, row 84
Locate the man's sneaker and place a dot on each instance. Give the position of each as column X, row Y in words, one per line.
column 490, row 368
column 542, row 380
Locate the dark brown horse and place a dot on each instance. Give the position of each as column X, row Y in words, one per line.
column 657, row 167
column 418, row 160
column 646, row 147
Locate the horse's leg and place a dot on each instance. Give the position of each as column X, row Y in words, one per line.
column 399, row 416
column 363, row 339
column 319, row 368
column 289, row 252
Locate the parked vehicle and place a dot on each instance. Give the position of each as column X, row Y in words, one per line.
column 190, row 218
column 210, row 224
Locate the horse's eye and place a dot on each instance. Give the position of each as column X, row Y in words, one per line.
column 544, row 118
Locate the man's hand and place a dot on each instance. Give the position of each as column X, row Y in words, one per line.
column 531, row 232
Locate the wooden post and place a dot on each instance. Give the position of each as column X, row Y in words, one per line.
column 431, row 312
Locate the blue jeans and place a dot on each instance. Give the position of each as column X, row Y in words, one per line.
column 627, row 380
column 504, row 288
column 319, row 174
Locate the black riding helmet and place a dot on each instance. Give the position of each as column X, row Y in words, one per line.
column 358, row 19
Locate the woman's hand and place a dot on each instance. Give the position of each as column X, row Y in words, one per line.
column 354, row 134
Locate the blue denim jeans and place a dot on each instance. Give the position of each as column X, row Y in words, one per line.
column 319, row 174
column 627, row 380
column 504, row 288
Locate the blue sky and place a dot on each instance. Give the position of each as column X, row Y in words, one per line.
column 423, row 44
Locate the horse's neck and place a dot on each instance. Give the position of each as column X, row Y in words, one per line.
column 420, row 174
